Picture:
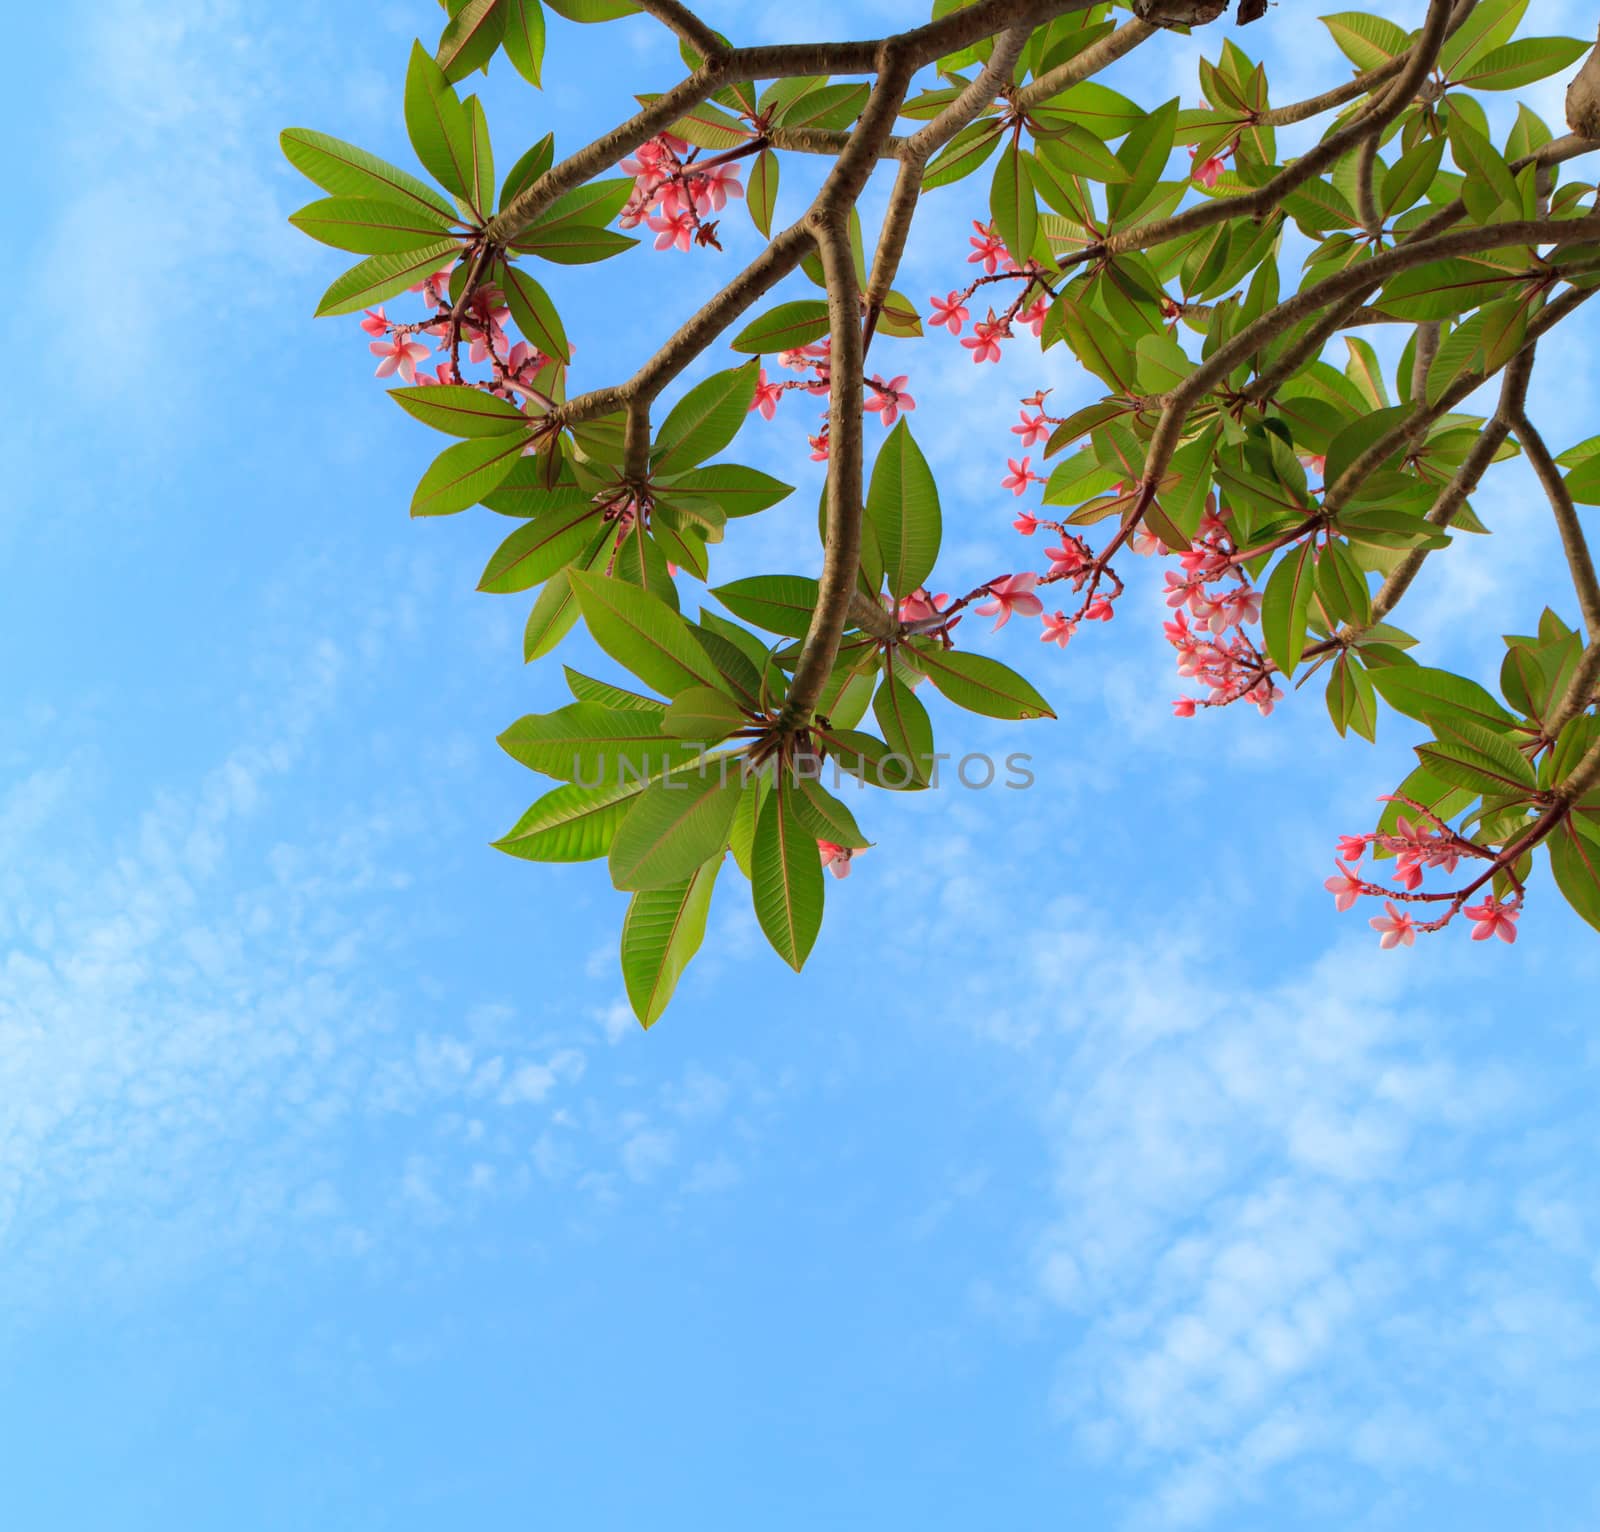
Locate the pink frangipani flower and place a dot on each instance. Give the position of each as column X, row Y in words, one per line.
column 1012, row 593
column 398, row 355
column 950, row 312
column 1020, row 477
column 1395, row 929
column 1493, row 919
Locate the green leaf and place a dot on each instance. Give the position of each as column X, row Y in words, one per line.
column 370, row 227
column 524, row 39
column 1285, row 603
column 903, row 508
column 786, row 877
column 1367, row 41
column 1522, row 62
column 779, row 603
column 705, row 420
column 1144, row 154
column 556, row 609
column 1575, row 861
column 458, row 409
column 785, row 327
column 463, row 474
column 592, row 10
column 382, row 276
column 532, row 164
column 347, row 171
column 573, row 243
column 586, row 688
column 644, row 635
column 1423, row 693
column 471, row 37
column 571, row 823
column 677, row 823
column 534, row 313
column 905, row 725
column 595, row 745
column 1463, row 766
column 761, row 191
column 438, row 128
column 737, row 490
column 1407, row 181
column 1013, row 204
column 480, row 188
column 1351, row 701
column 538, row 548
column 702, row 715
column 661, row 932
column 982, row 685
column 1583, row 483
column 963, row 154
column 825, row 816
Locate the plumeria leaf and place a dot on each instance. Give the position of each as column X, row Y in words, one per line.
column 367, row 226
column 1285, row 603
column 677, row 823
column 982, row 685
column 460, row 410
column 661, row 932
column 571, row 823
column 463, row 474
column 382, row 276
column 470, row 39
column 1575, row 861
column 524, row 38
column 347, row 171
column 644, row 635
column 779, row 603
column 705, row 420
column 595, row 745
column 903, row 508
column 785, row 327
column 761, row 192
column 786, row 876
column 538, row 548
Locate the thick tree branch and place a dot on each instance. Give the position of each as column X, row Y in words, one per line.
column 1573, row 543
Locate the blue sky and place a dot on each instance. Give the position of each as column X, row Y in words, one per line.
column 1094, row 1174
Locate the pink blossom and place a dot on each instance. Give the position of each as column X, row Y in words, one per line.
column 1207, row 171
column 767, row 396
column 819, row 446
column 375, row 323
column 1027, row 525
column 1020, row 477
column 919, row 606
column 950, row 312
column 1012, row 593
column 1396, row 929
column 984, row 342
column 835, row 858
column 437, row 287
column 1100, row 610
column 1493, row 919
column 1353, row 847
column 1317, row 465
column 1067, row 559
column 1034, row 315
column 711, row 188
column 677, row 230
column 1033, row 430
column 1183, row 707
column 399, row 355
column 1345, row 887
column 889, row 399
column 987, row 248
column 1058, row 629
